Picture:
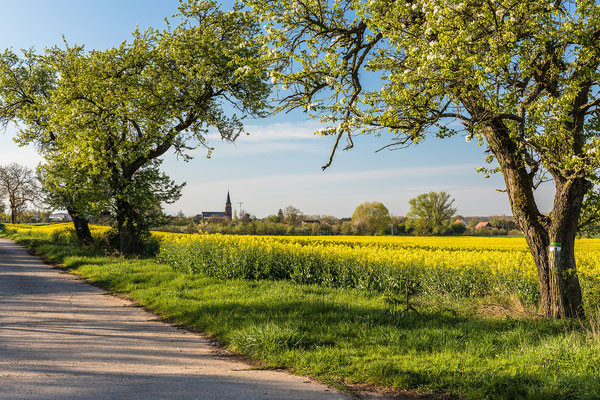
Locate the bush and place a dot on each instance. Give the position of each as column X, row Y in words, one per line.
column 148, row 246
column 458, row 229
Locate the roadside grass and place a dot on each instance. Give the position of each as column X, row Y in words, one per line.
column 472, row 347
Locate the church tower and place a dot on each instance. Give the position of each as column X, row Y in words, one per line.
column 228, row 207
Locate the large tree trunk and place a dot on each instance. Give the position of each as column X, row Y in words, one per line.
column 564, row 292
column 551, row 238
column 82, row 228
column 552, row 245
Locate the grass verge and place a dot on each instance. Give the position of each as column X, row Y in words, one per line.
column 350, row 336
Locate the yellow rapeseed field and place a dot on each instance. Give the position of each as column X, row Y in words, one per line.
column 455, row 265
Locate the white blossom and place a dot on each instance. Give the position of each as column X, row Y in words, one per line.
column 296, row 7
column 330, row 80
column 243, row 70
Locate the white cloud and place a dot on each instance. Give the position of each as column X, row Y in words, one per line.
column 276, row 131
column 354, row 176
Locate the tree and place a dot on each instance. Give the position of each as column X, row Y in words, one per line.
column 347, row 228
column 81, row 193
column 116, row 112
column 505, row 223
column 19, row 186
column 275, row 219
column 520, row 78
column 292, row 216
column 430, row 213
column 245, row 217
column 370, row 218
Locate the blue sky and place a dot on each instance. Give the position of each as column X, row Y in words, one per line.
column 278, row 164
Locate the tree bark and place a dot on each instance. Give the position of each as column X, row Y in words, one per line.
column 551, row 238
column 565, row 298
column 82, row 228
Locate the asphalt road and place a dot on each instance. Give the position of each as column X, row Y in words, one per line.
column 61, row 338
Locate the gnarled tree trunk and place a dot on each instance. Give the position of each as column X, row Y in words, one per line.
column 563, row 295
column 551, row 238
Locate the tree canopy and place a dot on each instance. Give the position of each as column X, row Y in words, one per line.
column 371, row 217
column 112, row 114
column 430, row 213
column 519, row 78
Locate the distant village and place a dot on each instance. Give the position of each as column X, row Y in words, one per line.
column 292, row 221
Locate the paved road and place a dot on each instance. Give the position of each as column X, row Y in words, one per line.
column 61, row 338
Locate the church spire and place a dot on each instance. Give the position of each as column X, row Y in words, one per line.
column 228, row 210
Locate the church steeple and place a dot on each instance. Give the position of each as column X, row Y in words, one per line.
column 228, row 213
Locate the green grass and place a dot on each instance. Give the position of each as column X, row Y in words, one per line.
column 353, row 336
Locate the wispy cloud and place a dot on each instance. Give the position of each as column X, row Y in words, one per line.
column 354, row 176
column 276, row 131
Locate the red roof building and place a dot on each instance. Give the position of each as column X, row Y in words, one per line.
column 483, row 224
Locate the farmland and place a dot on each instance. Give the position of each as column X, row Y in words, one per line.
column 456, row 266
column 332, row 307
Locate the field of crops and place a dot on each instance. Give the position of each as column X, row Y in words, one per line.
column 455, row 266
column 470, row 336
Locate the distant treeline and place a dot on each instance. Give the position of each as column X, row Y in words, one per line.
column 328, row 225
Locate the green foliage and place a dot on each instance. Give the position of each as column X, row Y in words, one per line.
column 371, row 218
column 273, row 219
column 521, row 64
column 430, row 214
column 103, row 118
column 68, row 187
column 457, row 229
column 148, row 245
